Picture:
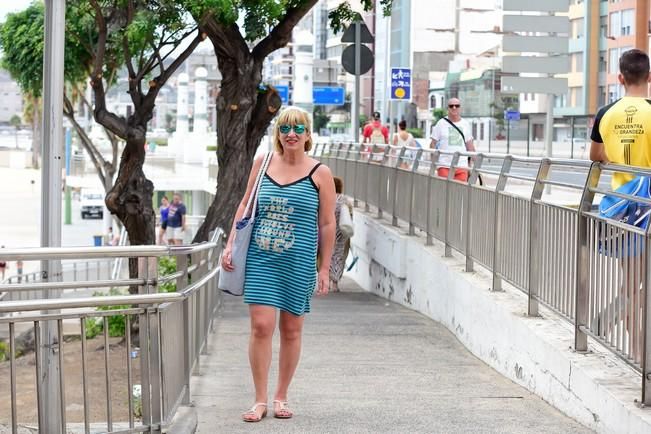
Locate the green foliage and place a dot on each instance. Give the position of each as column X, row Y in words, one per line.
column 22, row 44
column 166, row 266
column 259, row 16
column 4, row 351
column 438, row 114
column 15, row 121
column 321, row 119
column 93, row 327
column 416, row 132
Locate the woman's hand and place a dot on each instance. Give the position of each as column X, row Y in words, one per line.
column 227, row 263
column 323, row 283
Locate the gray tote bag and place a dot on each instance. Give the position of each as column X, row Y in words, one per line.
column 232, row 282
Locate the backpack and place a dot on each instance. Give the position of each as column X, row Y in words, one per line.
column 376, row 136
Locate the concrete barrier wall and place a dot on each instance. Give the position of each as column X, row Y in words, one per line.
column 597, row 388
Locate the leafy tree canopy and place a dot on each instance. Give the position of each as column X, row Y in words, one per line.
column 258, row 16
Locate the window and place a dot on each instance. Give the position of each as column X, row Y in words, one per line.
column 578, row 62
column 603, row 62
column 577, row 28
column 615, row 25
column 603, row 26
column 613, row 60
column 612, row 93
column 628, row 22
column 601, row 96
column 432, row 101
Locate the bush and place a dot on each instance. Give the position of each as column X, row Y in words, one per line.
column 166, row 266
column 93, row 327
column 116, row 323
column 211, row 148
column 4, row 351
column 416, row 132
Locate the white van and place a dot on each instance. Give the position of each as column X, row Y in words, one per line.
column 92, row 203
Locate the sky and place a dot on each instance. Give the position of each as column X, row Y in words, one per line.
column 12, row 6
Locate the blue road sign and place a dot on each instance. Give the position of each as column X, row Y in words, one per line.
column 283, row 91
column 328, row 95
column 401, row 84
column 511, row 115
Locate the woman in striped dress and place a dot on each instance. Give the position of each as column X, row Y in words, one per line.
column 296, row 204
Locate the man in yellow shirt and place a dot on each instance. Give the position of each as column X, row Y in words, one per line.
column 622, row 130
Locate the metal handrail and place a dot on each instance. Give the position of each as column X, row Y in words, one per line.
column 544, row 249
column 165, row 321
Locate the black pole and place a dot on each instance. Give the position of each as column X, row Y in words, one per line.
column 572, row 136
column 508, row 134
column 528, row 133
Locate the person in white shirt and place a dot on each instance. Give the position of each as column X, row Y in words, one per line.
column 452, row 133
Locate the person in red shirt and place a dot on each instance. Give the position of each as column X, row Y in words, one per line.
column 375, row 132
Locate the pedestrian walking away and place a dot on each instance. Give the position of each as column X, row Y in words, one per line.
column 175, row 221
column 295, row 217
column 453, row 133
column 342, row 239
column 374, row 132
column 164, row 211
column 622, row 135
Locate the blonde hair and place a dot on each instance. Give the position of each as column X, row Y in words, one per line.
column 292, row 116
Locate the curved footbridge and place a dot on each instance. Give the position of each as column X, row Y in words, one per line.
column 368, row 366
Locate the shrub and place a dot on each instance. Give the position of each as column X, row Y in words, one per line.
column 4, row 351
column 416, row 132
column 166, row 266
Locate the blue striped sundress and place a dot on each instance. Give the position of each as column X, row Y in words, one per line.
column 281, row 260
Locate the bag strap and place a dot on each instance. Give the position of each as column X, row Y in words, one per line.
column 253, row 198
column 458, row 129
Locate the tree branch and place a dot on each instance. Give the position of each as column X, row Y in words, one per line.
column 281, row 34
column 125, row 41
column 227, row 40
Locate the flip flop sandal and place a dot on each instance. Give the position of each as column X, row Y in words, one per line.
column 252, row 415
column 283, row 412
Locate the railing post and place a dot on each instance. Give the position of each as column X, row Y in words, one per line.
column 583, row 255
column 432, row 170
column 646, row 328
column 453, row 165
column 385, row 158
column 367, row 207
column 150, row 349
column 356, row 166
column 394, row 205
column 181, row 283
column 414, row 169
column 497, row 237
column 472, row 179
column 536, row 195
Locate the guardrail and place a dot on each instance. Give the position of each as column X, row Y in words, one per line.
column 555, row 252
column 172, row 333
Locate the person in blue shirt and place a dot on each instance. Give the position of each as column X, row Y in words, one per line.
column 175, row 221
column 164, row 209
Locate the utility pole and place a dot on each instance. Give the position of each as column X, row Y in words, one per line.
column 51, row 411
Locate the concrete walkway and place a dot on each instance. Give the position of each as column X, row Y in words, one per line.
column 368, row 366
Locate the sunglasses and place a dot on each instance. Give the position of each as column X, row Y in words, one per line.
column 298, row 128
column 454, row 105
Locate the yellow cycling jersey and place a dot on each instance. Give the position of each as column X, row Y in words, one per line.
column 624, row 127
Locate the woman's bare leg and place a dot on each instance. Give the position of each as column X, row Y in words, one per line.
column 291, row 330
column 263, row 323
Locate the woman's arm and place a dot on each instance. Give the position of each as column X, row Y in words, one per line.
column 226, row 257
column 327, row 224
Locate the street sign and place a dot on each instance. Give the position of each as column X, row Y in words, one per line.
column 328, row 95
column 536, row 64
column 535, row 44
column 365, row 34
column 548, row 85
column 365, row 59
column 401, row 84
column 536, row 5
column 283, row 92
column 511, row 115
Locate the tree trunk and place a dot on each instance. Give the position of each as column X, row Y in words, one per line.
column 130, row 199
column 243, row 115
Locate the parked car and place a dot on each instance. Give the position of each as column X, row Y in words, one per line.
column 92, row 203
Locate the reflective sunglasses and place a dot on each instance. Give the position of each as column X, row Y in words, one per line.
column 298, row 128
column 454, row 105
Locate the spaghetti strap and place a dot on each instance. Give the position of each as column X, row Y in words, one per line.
column 316, row 166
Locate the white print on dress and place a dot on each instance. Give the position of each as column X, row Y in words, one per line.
column 275, row 233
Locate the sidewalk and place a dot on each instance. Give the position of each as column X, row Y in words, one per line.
column 368, row 366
